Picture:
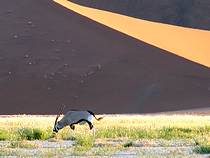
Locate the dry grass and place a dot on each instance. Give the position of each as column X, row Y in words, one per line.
column 125, row 129
column 112, row 126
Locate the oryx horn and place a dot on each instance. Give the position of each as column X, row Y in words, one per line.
column 61, row 109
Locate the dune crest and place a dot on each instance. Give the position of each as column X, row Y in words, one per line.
column 192, row 44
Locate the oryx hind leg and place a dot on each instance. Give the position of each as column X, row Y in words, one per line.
column 72, row 126
column 83, row 120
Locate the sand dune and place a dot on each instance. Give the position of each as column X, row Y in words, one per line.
column 50, row 56
column 192, row 44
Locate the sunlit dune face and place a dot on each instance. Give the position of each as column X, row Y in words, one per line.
column 192, row 44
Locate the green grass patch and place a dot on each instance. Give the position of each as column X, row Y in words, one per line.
column 128, row 144
column 33, row 134
column 106, row 150
column 112, row 132
column 151, row 133
column 202, row 149
column 21, row 144
column 172, row 132
column 4, row 135
column 202, row 145
column 132, row 127
column 84, row 141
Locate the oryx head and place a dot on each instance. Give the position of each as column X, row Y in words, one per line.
column 56, row 125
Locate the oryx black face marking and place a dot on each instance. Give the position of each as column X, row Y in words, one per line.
column 55, row 130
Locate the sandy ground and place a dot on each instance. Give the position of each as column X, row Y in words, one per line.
column 51, row 56
column 140, row 148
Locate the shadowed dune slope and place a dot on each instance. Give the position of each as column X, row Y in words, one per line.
column 187, row 13
column 50, row 56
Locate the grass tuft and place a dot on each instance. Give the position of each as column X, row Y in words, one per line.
column 202, row 149
column 84, row 141
column 21, row 144
column 202, row 145
column 3, row 135
column 128, row 144
column 33, row 134
column 106, row 150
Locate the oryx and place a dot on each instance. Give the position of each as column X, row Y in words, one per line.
column 73, row 117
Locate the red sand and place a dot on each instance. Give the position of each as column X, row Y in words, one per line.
column 50, row 56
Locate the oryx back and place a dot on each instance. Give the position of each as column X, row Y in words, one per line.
column 74, row 116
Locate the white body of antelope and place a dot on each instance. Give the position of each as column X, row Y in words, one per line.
column 73, row 117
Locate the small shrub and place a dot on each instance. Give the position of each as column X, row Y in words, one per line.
column 31, row 134
column 37, row 134
column 66, row 135
column 173, row 132
column 107, row 150
column 128, row 144
column 21, row 144
column 84, row 141
column 143, row 133
column 80, row 150
column 4, row 152
column 82, row 144
column 115, row 132
column 202, row 145
column 25, row 133
column 3, row 135
column 47, row 134
column 203, row 149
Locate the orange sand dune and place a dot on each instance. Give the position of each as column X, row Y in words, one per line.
column 192, row 44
